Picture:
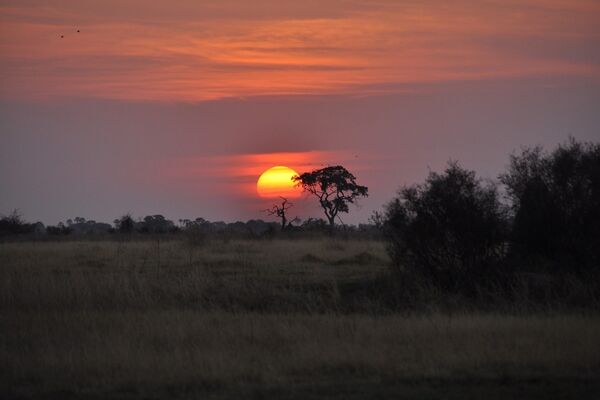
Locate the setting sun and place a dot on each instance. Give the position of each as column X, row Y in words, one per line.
column 277, row 181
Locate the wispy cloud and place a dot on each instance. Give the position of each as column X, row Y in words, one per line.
column 197, row 51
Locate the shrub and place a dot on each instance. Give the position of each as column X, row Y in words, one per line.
column 59, row 229
column 556, row 206
column 449, row 230
column 125, row 224
column 13, row 224
column 155, row 224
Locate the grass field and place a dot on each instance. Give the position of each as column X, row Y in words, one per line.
column 283, row 319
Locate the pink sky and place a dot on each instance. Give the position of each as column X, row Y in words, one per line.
column 171, row 107
column 197, row 51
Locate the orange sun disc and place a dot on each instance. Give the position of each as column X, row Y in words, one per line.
column 277, row 181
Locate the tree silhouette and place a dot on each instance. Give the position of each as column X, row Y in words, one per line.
column 125, row 224
column 334, row 187
column 280, row 210
column 14, row 224
column 449, row 230
column 556, row 205
column 156, row 224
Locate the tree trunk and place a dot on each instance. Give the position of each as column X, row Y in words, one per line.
column 331, row 224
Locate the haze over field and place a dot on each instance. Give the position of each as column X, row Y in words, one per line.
column 152, row 108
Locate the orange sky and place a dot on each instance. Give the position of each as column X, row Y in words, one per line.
column 205, row 50
column 176, row 107
column 237, row 174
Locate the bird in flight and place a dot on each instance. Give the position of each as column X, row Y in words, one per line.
column 63, row 36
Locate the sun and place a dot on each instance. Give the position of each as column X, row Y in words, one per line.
column 277, row 181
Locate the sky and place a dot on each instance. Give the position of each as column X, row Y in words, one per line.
column 176, row 107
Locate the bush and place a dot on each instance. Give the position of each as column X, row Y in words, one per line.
column 125, row 224
column 13, row 224
column 59, row 229
column 449, row 231
column 556, row 207
column 155, row 224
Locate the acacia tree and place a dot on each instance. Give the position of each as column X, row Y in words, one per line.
column 335, row 187
column 280, row 210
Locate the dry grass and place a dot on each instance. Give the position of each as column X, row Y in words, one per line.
column 259, row 319
column 278, row 275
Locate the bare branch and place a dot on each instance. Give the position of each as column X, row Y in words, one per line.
column 280, row 210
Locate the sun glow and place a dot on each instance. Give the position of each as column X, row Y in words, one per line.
column 277, row 181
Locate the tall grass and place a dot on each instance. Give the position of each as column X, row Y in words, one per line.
column 263, row 319
column 238, row 275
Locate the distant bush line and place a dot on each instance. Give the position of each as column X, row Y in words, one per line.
column 14, row 227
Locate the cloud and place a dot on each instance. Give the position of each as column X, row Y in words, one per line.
column 202, row 51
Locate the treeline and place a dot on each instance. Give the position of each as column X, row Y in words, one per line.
column 538, row 224
column 14, row 226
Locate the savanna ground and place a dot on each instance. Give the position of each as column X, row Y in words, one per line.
column 281, row 318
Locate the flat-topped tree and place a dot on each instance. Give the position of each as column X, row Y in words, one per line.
column 335, row 188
